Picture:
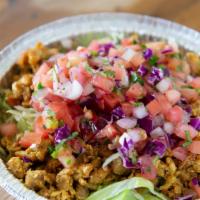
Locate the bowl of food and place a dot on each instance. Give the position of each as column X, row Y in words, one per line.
column 100, row 107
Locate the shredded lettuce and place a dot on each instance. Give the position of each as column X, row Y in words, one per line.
column 24, row 117
column 113, row 191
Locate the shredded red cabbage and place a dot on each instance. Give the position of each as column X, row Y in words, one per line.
column 146, row 123
column 148, row 53
column 61, row 133
column 125, row 151
column 155, row 147
column 26, row 160
column 104, row 48
column 165, row 51
column 148, row 98
column 117, row 113
column 195, row 122
column 142, row 70
column 195, row 181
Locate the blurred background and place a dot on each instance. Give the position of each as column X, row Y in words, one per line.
column 19, row 16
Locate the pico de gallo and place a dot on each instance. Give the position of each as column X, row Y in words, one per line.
column 135, row 99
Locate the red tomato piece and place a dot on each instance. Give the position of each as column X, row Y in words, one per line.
column 173, row 96
column 181, row 129
column 195, row 83
column 165, row 106
column 153, row 107
column 195, row 147
column 30, row 138
column 103, row 83
column 8, row 129
column 175, row 115
column 62, row 112
column 111, row 100
column 127, row 108
column 135, row 92
column 180, row 153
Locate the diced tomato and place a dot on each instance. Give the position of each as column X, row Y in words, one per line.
column 30, row 138
column 175, row 114
column 173, row 96
column 135, row 92
column 39, row 127
column 103, row 83
column 94, row 46
column 108, row 131
column 173, row 63
column 153, row 107
column 195, row 83
column 41, row 73
column 165, row 106
column 138, row 59
column 195, row 147
column 75, row 110
column 181, row 129
column 126, row 42
column 62, row 62
column 180, row 153
column 127, row 108
column 147, row 168
column 114, row 52
column 111, row 100
column 80, row 74
column 47, row 81
column 8, row 129
column 62, row 112
column 74, row 58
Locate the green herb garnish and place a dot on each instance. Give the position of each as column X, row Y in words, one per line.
column 143, row 46
column 176, row 55
column 89, row 69
column 137, row 104
column 179, row 68
column 134, row 42
column 135, row 78
column 40, row 86
column 108, row 74
column 188, row 140
column 93, row 53
column 61, row 145
column 153, row 60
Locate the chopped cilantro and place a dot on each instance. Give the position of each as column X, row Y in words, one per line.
column 137, row 104
column 134, row 157
column 50, row 149
column 177, row 55
column 50, row 113
column 61, row 145
column 109, row 73
column 143, row 46
column 134, row 42
column 89, row 69
column 68, row 161
column 153, row 60
column 40, row 86
column 188, row 140
column 135, row 78
column 93, row 53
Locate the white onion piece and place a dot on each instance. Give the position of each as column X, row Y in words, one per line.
column 140, row 112
column 40, row 94
column 168, row 127
column 123, row 137
column 189, row 78
column 110, row 159
column 76, row 90
column 163, row 85
column 135, row 135
column 125, row 79
column 127, row 123
column 128, row 54
column 186, row 118
column 157, row 132
column 158, row 120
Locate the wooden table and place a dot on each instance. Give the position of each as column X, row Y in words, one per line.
column 19, row 16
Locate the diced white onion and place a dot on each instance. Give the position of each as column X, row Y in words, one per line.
column 76, row 90
column 128, row 54
column 189, row 78
column 186, row 118
column 157, row 132
column 135, row 135
column 127, row 123
column 140, row 112
column 168, row 127
column 110, row 159
column 163, row 85
column 125, row 79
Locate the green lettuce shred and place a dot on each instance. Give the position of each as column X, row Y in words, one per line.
column 113, row 191
column 24, row 117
